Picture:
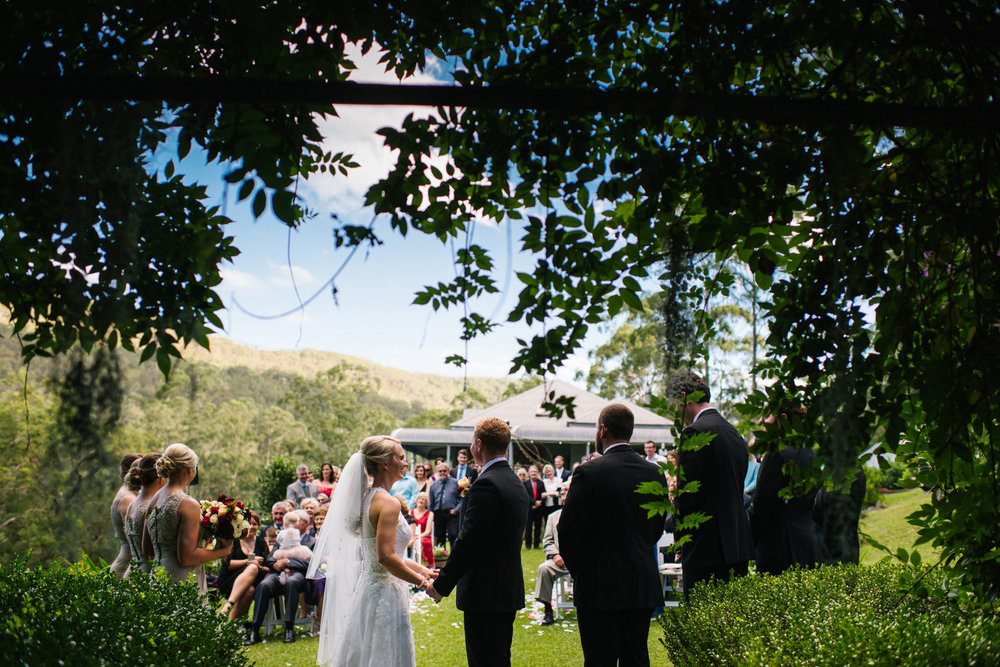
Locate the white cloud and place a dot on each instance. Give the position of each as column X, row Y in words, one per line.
column 281, row 277
column 353, row 131
column 235, row 279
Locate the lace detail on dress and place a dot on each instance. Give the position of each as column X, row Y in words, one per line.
column 162, row 525
column 369, row 554
column 133, row 532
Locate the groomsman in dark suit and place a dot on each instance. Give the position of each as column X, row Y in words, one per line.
column 608, row 544
column 837, row 514
column 445, row 503
column 536, row 512
column 783, row 530
column 485, row 561
column 721, row 547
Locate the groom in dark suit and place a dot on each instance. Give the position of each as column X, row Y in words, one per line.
column 608, row 543
column 485, row 561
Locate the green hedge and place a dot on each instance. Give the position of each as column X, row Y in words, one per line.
column 85, row 616
column 843, row 615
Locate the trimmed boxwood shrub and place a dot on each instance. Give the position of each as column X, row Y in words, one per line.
column 82, row 615
column 842, row 615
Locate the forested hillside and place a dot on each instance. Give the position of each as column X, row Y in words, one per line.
column 65, row 423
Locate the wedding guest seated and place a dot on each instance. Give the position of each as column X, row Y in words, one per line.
column 423, row 520
column 278, row 511
column 271, row 538
column 290, row 546
column 553, row 566
column 240, row 571
column 300, row 521
column 302, row 488
column 314, row 597
column 404, row 511
column 274, row 586
column 309, row 506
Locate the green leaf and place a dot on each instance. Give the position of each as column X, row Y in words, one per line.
column 246, row 189
column 259, row 203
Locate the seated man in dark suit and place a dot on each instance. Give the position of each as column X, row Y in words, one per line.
column 271, row 587
column 783, row 531
column 721, row 546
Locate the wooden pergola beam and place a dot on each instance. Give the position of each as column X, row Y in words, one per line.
column 801, row 111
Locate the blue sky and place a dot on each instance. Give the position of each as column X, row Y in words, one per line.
column 372, row 316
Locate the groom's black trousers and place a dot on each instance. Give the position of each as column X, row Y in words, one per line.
column 614, row 637
column 488, row 637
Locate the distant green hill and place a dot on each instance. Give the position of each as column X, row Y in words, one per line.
column 433, row 391
column 428, row 390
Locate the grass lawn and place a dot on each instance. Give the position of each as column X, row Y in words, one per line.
column 440, row 640
column 889, row 527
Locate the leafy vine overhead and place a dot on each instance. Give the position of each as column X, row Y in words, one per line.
column 875, row 234
column 879, row 243
column 99, row 243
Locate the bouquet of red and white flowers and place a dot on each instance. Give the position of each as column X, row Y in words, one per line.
column 225, row 519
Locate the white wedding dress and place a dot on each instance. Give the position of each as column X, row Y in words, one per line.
column 379, row 634
column 366, row 610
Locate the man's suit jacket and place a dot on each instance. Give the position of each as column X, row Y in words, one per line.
column 563, row 474
column 606, row 538
column 444, row 494
column 534, row 494
column 837, row 515
column 296, row 494
column 470, row 472
column 485, row 561
column 550, row 540
column 783, row 530
column 720, row 466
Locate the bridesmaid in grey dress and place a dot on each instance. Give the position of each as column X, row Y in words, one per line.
column 119, row 508
column 144, row 475
column 172, row 523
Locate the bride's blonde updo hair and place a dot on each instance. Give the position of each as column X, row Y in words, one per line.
column 176, row 457
column 376, row 450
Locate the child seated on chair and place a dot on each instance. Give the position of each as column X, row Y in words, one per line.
column 290, row 547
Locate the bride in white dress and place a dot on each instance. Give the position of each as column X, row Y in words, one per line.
column 366, row 607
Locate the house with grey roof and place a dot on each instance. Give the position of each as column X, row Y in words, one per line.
column 536, row 434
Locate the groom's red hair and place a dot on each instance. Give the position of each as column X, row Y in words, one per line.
column 494, row 433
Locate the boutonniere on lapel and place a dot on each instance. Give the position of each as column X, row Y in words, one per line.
column 463, row 486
